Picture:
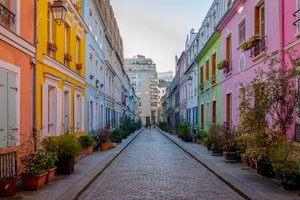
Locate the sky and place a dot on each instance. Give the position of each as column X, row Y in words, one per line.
column 158, row 29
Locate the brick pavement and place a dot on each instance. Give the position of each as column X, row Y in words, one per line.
column 153, row 167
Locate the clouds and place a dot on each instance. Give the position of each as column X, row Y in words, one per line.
column 158, row 28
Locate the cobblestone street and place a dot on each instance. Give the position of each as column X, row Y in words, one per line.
column 152, row 167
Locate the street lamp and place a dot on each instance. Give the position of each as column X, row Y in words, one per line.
column 59, row 11
column 190, row 79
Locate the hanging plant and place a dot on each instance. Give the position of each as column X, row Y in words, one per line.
column 223, row 64
column 250, row 43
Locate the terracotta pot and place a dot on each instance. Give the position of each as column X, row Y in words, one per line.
column 85, row 151
column 113, row 144
column 7, row 188
column 105, row 146
column 91, row 149
column 50, row 175
column 33, row 182
column 198, row 141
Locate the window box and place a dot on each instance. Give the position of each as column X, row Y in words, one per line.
column 52, row 47
column 223, row 64
column 259, row 47
column 79, row 66
column 68, row 57
column 250, row 43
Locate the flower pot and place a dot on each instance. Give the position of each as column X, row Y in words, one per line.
column 290, row 183
column 264, row 168
column 7, row 187
column 216, row 151
column 113, row 144
column 33, row 182
column 85, row 151
column 253, row 163
column 105, row 146
column 50, row 175
column 230, row 157
column 198, row 141
column 91, row 149
column 65, row 166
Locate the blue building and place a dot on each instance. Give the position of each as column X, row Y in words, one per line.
column 95, row 68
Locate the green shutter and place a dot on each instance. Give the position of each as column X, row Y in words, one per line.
column 3, row 109
column 12, row 109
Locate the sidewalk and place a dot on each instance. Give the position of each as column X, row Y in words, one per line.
column 240, row 177
column 67, row 187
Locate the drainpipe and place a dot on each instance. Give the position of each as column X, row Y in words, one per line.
column 34, row 129
column 281, row 21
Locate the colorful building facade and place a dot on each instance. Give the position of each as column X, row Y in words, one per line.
column 17, row 58
column 60, row 84
column 95, row 70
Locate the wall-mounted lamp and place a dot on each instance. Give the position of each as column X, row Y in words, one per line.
column 59, row 11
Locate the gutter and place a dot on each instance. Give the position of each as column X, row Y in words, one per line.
column 281, row 21
column 34, row 128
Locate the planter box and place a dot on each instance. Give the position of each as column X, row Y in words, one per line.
column 50, row 175
column 216, row 151
column 231, row 157
column 65, row 166
column 264, row 168
column 105, row 146
column 7, row 188
column 34, row 182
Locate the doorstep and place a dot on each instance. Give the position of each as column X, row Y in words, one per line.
column 86, row 171
column 238, row 176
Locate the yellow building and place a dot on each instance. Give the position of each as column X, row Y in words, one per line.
column 60, row 83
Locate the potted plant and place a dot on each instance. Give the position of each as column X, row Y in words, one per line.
column 223, row 64
column 87, row 144
column 185, row 132
column 250, row 43
column 66, row 148
column 215, row 131
column 117, row 135
column 104, row 138
column 203, row 136
column 229, row 146
column 50, row 159
column 286, row 160
column 35, row 172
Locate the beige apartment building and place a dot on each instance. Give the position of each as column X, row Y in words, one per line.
column 143, row 77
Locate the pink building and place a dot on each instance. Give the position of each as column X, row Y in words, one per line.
column 245, row 19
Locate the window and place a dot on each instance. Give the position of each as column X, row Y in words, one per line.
column 201, row 77
column 259, row 19
column 78, row 50
column 52, row 109
column 67, row 110
column 91, row 115
column 8, row 109
column 242, row 31
column 214, row 112
column 7, row 17
column 78, row 112
column 208, row 113
column 228, row 47
column 91, row 20
column 207, row 70
column 228, row 107
column 67, row 41
column 202, row 116
column 49, row 28
column 213, row 67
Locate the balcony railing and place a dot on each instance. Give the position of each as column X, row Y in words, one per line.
column 227, row 125
column 227, row 68
column 8, row 165
column 259, row 47
column 297, row 15
column 7, row 16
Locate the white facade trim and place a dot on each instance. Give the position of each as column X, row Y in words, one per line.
column 60, row 67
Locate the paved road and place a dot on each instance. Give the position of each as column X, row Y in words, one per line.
column 154, row 168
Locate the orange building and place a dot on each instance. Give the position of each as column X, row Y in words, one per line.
column 17, row 58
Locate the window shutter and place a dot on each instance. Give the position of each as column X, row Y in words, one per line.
column 53, row 112
column 3, row 109
column 75, row 113
column 59, row 112
column 12, row 109
column 45, row 109
column 94, row 115
column 82, row 113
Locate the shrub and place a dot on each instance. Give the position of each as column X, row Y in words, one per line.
column 215, row 133
column 65, row 146
column 86, row 141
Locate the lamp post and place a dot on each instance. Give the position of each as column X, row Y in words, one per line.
column 59, row 11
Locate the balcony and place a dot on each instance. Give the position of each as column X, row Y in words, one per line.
column 297, row 15
column 6, row 16
column 227, row 67
column 259, row 47
column 8, row 167
column 227, row 125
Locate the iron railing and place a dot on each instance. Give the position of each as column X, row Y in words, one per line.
column 8, row 164
column 227, row 68
column 7, row 14
column 258, row 47
column 297, row 15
